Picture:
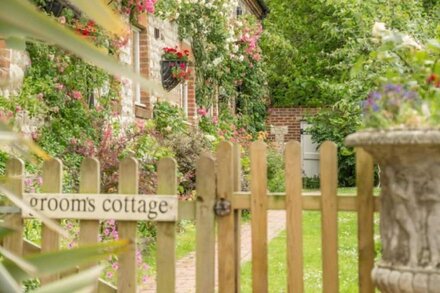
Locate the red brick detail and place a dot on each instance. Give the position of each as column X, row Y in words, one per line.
column 290, row 117
column 144, row 111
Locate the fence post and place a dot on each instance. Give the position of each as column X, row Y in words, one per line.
column 293, row 169
column 236, row 169
column 259, row 217
column 226, row 247
column 364, row 183
column 52, row 183
column 329, row 217
column 205, row 225
column 128, row 184
column 166, row 231
column 14, row 174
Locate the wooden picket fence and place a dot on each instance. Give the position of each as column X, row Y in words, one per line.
column 219, row 180
column 200, row 210
column 294, row 201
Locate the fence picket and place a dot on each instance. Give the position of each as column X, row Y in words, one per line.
column 52, row 183
column 166, row 231
column 236, row 169
column 226, row 247
column 364, row 183
column 259, row 217
column 15, row 173
column 293, row 169
column 128, row 184
column 89, row 182
column 205, row 225
column 329, row 216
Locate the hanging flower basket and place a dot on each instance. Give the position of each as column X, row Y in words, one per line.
column 174, row 68
column 167, row 69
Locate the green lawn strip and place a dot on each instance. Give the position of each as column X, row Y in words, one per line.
column 312, row 256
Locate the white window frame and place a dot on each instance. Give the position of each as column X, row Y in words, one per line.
column 136, row 64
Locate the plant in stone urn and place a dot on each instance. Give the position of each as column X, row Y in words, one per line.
column 401, row 132
column 174, row 67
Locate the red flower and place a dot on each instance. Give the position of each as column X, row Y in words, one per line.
column 179, row 55
column 433, row 77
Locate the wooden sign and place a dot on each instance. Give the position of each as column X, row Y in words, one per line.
column 104, row 206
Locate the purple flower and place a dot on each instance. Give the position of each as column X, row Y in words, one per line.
column 393, row 88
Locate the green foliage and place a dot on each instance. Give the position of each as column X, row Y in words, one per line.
column 226, row 56
column 275, row 171
column 311, row 46
column 169, row 118
column 335, row 124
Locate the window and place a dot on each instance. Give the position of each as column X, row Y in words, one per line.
column 136, row 63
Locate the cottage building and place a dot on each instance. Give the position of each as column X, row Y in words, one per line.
column 149, row 35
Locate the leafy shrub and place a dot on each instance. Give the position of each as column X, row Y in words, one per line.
column 335, row 124
column 311, row 182
column 275, row 170
column 169, row 118
column 187, row 149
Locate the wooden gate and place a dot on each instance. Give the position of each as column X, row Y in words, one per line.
column 294, row 201
column 218, row 185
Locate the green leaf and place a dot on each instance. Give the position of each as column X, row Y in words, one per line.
column 357, row 67
column 23, row 264
column 7, row 282
column 16, row 43
column 74, row 283
column 60, row 261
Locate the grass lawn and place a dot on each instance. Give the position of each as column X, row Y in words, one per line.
column 348, row 279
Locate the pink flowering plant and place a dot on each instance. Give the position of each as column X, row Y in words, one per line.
column 133, row 8
column 408, row 94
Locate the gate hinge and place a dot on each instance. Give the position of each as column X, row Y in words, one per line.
column 222, row 207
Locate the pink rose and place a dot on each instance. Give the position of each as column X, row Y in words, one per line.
column 76, row 95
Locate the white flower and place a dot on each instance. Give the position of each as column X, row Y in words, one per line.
column 241, row 58
column 210, row 137
column 408, row 41
column 217, row 61
column 379, row 29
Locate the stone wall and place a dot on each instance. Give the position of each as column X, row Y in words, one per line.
column 13, row 65
column 290, row 117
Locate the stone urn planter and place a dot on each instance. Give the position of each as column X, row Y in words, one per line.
column 409, row 161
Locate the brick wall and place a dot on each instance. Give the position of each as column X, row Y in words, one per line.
column 290, row 117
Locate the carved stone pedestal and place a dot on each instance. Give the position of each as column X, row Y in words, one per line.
column 409, row 161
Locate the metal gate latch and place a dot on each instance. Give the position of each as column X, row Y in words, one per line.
column 222, row 207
